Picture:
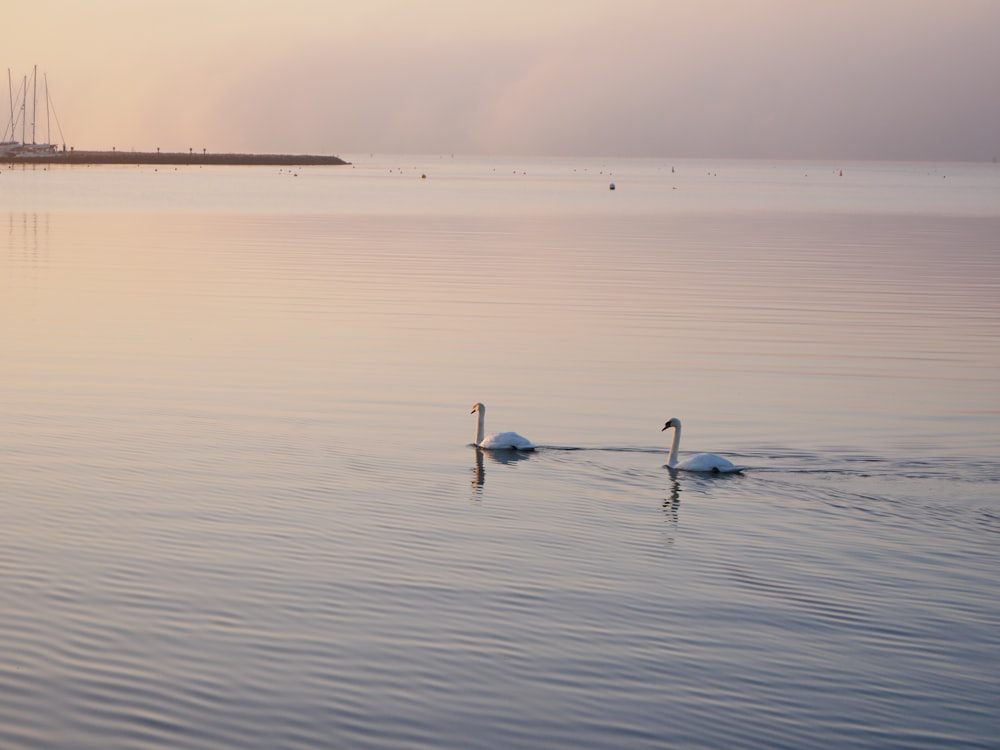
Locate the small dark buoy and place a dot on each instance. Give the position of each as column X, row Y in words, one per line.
column 612, row 186
column 423, row 177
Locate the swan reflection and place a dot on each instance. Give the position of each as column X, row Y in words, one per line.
column 672, row 504
column 497, row 457
column 506, row 457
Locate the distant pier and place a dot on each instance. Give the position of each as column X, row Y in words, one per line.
column 173, row 158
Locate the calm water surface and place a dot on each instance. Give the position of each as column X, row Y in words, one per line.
column 241, row 508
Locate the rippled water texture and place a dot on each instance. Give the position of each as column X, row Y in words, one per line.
column 240, row 507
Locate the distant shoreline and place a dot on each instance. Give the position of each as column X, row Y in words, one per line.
column 175, row 158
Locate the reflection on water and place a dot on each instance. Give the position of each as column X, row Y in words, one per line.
column 235, row 510
column 502, row 457
column 27, row 240
column 478, row 472
column 675, row 497
column 671, row 506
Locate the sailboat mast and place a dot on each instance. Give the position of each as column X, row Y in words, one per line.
column 10, row 94
column 48, row 114
column 34, row 103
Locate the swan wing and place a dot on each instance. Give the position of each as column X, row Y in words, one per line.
column 708, row 462
column 506, row 441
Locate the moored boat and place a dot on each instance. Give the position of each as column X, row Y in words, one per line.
column 23, row 111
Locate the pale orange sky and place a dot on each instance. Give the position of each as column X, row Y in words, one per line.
column 843, row 79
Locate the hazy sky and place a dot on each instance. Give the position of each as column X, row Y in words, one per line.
column 841, row 79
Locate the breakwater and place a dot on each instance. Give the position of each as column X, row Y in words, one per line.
column 175, row 158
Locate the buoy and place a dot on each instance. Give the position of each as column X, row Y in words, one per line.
column 612, row 186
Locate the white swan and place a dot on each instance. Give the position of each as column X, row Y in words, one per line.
column 500, row 440
column 704, row 462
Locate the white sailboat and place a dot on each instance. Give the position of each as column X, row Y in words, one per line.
column 10, row 147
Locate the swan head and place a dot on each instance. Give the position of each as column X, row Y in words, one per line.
column 478, row 408
column 672, row 422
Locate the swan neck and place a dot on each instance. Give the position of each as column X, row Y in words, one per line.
column 480, row 424
column 674, row 446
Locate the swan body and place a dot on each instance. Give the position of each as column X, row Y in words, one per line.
column 498, row 441
column 701, row 462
